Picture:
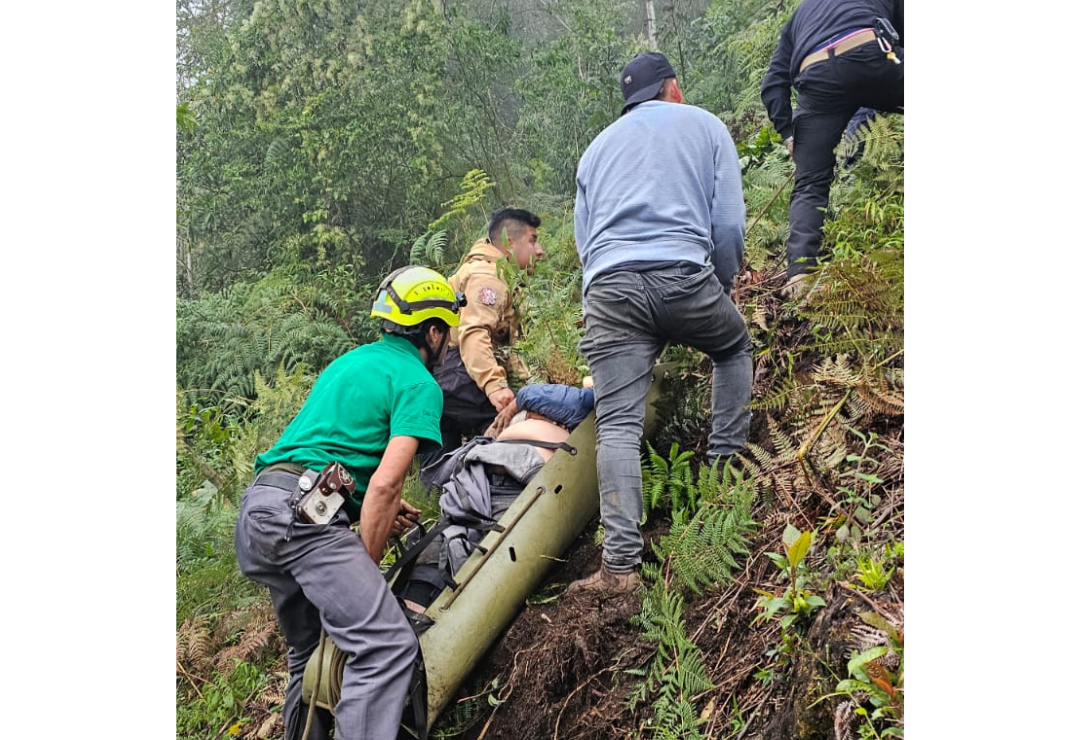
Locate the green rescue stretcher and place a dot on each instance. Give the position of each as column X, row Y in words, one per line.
column 550, row 513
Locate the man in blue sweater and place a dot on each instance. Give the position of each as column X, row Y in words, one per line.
column 659, row 222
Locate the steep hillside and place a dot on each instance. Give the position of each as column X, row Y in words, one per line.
column 573, row 667
column 773, row 604
column 744, row 657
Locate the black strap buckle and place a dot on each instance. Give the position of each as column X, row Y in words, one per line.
column 884, row 30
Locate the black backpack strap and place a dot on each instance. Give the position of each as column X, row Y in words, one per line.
column 481, row 522
column 407, row 559
column 415, row 727
column 541, row 443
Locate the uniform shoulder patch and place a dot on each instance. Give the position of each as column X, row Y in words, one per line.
column 487, row 296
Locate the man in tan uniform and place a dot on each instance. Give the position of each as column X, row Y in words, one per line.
column 473, row 374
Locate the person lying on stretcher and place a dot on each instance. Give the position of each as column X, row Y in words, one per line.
column 544, row 413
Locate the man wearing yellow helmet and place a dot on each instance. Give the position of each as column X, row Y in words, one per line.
column 368, row 414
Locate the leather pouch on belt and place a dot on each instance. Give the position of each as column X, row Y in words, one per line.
column 322, row 500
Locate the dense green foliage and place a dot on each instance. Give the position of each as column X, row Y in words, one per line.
column 322, row 143
column 331, row 133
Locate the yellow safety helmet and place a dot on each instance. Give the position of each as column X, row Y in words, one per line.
column 411, row 295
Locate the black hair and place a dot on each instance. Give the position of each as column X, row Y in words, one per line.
column 416, row 334
column 503, row 215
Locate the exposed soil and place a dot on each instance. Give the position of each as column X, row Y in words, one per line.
column 560, row 663
column 560, row 667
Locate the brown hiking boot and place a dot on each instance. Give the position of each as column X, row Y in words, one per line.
column 606, row 581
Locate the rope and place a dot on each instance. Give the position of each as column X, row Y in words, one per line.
column 315, row 691
column 772, row 200
column 763, row 211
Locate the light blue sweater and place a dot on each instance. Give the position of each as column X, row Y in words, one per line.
column 662, row 183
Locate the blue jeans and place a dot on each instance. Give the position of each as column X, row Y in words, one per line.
column 629, row 316
column 323, row 577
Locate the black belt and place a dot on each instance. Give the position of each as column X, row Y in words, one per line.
column 279, row 476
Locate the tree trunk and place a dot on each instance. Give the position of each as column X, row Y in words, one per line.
column 650, row 24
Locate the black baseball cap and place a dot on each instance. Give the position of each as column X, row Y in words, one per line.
column 643, row 77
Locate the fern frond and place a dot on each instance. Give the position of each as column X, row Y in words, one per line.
column 429, row 248
column 278, row 151
column 193, row 643
column 880, row 399
column 702, row 551
column 253, row 640
column 675, row 672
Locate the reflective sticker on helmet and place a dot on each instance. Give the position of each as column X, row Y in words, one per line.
column 487, row 296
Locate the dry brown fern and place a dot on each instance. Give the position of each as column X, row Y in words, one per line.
column 193, row 644
column 759, row 316
column 877, row 390
column 844, row 720
column 253, row 642
column 881, row 400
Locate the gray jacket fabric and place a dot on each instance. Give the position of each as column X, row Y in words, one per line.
column 466, row 498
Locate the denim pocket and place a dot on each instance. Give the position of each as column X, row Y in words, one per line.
column 611, row 291
column 679, row 288
column 612, row 315
column 605, row 299
column 262, row 524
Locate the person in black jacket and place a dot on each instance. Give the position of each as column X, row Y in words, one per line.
column 839, row 55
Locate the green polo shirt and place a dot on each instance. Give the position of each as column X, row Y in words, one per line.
column 361, row 400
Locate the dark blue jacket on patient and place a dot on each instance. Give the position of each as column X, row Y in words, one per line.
column 562, row 404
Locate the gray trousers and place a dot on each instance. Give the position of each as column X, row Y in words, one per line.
column 323, row 577
column 629, row 316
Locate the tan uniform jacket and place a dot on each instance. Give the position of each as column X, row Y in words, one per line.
column 489, row 322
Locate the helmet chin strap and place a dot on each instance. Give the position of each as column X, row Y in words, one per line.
column 434, row 355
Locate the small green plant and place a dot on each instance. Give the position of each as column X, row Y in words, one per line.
column 859, row 498
column 753, row 152
column 218, row 706
column 872, row 573
column 795, row 603
column 474, row 699
column 669, row 483
column 737, row 720
column 875, row 685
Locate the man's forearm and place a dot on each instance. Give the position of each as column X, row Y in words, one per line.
column 377, row 518
column 776, row 87
column 382, row 499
